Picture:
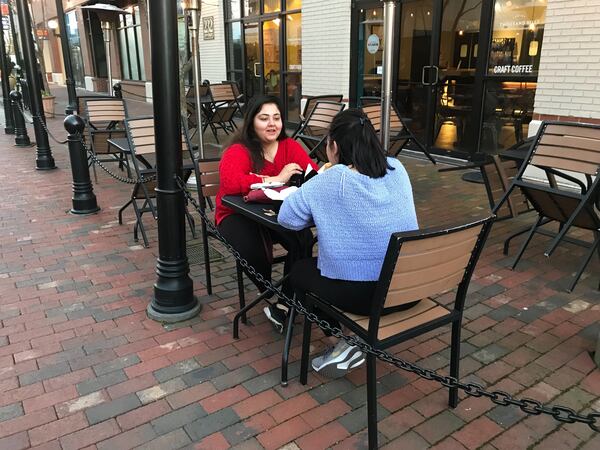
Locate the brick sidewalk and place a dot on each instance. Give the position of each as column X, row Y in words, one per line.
column 82, row 367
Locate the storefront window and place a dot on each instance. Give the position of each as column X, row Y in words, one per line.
column 512, row 72
column 130, row 44
column 75, row 47
column 251, row 8
column 517, row 37
column 293, row 4
column 233, row 9
column 264, row 50
column 294, row 65
column 271, row 6
column 370, row 52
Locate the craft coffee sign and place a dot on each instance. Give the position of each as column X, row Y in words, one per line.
column 514, row 69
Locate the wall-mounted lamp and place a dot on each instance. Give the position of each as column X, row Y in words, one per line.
column 533, row 48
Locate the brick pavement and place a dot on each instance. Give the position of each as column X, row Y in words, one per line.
column 82, row 367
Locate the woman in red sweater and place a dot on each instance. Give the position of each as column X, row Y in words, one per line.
column 260, row 152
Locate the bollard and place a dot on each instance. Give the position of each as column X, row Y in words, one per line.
column 118, row 90
column 84, row 199
column 21, row 137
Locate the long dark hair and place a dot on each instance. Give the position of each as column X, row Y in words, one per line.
column 358, row 144
column 247, row 136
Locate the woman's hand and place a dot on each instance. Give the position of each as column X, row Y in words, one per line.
column 286, row 173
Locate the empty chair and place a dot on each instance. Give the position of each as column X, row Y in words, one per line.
column 314, row 130
column 142, row 143
column 207, row 185
column 400, row 134
column 569, row 154
column 104, row 117
column 418, row 266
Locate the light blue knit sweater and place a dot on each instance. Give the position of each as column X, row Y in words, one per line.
column 355, row 216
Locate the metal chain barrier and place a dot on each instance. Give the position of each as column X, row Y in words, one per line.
column 122, row 179
column 132, row 93
column 41, row 120
column 91, row 154
column 527, row 405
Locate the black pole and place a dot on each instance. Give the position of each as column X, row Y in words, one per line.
column 13, row 30
column 66, row 51
column 8, row 117
column 21, row 137
column 174, row 289
column 84, row 200
column 44, row 159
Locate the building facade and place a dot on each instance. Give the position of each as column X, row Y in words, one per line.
column 471, row 76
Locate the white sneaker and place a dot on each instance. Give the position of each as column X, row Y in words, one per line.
column 338, row 360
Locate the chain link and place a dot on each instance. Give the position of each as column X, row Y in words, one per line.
column 527, row 405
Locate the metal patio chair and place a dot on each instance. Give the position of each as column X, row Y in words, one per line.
column 207, row 186
column 566, row 152
column 105, row 119
column 311, row 102
column 419, row 266
column 142, row 143
column 400, row 134
column 313, row 132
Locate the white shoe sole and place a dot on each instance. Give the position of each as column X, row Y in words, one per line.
column 278, row 326
column 337, row 370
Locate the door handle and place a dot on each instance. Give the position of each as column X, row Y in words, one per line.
column 423, row 75
column 256, row 64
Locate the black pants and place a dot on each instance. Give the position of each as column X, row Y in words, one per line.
column 255, row 244
column 354, row 297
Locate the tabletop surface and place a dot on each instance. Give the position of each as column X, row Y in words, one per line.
column 122, row 144
column 263, row 213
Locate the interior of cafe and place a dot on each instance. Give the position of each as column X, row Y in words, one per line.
column 466, row 70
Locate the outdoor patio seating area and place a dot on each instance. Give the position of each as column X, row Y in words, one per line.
column 82, row 366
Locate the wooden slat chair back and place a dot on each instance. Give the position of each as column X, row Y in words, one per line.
column 208, row 179
column 104, row 118
column 222, row 93
column 314, row 130
column 571, row 152
column 400, row 134
column 418, row 267
column 311, row 102
column 105, row 111
column 142, row 143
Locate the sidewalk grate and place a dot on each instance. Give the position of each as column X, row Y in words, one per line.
column 195, row 253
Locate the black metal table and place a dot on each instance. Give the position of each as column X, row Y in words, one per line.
column 265, row 214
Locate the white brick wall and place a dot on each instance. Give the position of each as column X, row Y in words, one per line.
column 326, row 47
column 569, row 74
column 212, row 53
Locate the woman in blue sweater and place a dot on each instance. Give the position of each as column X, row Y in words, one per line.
column 356, row 205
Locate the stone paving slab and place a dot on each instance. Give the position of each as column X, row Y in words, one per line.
column 81, row 366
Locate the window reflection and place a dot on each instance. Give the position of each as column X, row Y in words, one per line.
column 517, row 37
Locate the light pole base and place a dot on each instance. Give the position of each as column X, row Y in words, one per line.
column 173, row 317
column 84, row 212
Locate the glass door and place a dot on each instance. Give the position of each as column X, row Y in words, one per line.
column 455, row 125
column 271, row 64
column 253, row 59
column 370, row 52
column 417, row 71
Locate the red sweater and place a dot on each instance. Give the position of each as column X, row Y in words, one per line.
column 236, row 175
